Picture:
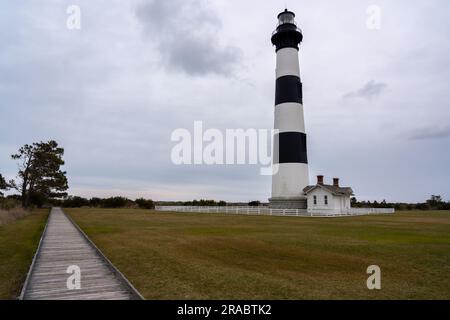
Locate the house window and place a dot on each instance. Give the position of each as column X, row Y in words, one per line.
column 325, row 200
column 315, row 199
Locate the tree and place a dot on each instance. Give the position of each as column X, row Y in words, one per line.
column 40, row 176
column 254, row 203
column 434, row 200
column 3, row 185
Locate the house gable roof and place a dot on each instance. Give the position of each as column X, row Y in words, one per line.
column 339, row 191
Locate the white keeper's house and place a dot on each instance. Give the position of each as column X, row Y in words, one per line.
column 328, row 198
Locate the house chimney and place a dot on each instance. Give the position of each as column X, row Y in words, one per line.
column 336, row 182
column 320, row 179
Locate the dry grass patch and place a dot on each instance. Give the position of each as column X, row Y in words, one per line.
column 218, row 256
column 9, row 216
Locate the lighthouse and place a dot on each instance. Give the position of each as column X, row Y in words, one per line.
column 290, row 161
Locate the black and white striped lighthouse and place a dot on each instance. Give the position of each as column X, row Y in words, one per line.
column 289, row 154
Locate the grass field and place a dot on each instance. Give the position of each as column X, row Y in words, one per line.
column 18, row 242
column 215, row 256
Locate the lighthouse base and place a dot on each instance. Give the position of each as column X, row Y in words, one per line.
column 287, row 203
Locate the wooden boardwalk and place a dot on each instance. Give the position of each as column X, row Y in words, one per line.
column 63, row 244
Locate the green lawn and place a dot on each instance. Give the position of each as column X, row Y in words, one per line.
column 217, row 256
column 18, row 242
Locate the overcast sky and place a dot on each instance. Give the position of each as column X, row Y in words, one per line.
column 376, row 102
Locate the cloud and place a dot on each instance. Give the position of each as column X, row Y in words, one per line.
column 428, row 133
column 105, row 94
column 186, row 34
column 370, row 90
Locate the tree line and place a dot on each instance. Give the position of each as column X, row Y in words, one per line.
column 434, row 203
column 204, row 203
column 111, row 202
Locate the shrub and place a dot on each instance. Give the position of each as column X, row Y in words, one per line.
column 95, row 202
column 75, row 202
column 8, row 203
column 145, row 203
column 116, row 202
column 8, row 216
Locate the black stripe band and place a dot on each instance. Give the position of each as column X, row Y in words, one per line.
column 291, row 148
column 288, row 89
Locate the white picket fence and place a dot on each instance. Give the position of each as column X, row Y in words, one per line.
column 278, row 212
